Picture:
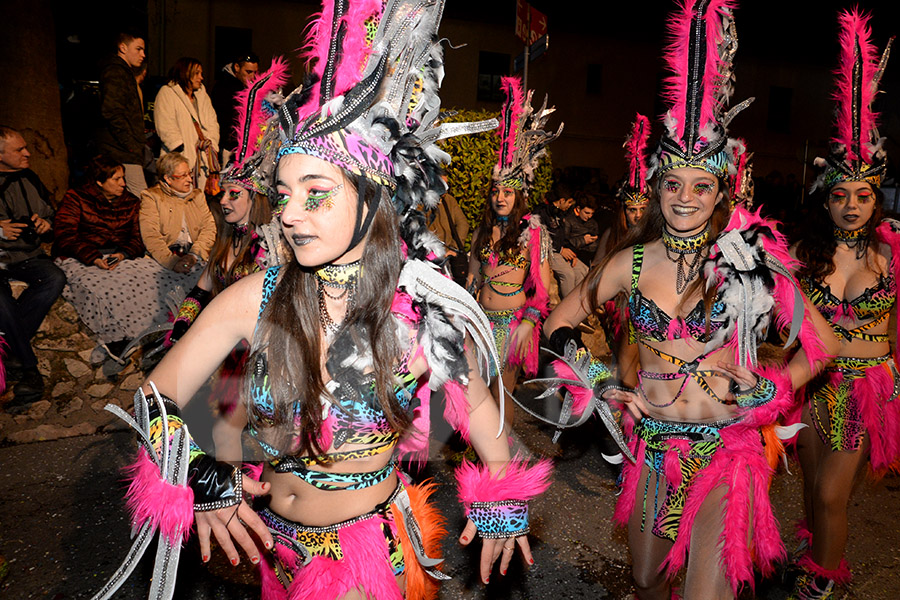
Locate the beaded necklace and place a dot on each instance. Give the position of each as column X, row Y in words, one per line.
column 677, row 248
column 343, row 277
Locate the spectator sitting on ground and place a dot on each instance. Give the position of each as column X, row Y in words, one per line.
column 26, row 219
column 579, row 235
column 230, row 80
column 186, row 121
column 176, row 225
column 98, row 245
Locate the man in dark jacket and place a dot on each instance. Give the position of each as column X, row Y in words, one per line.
column 579, row 236
column 25, row 218
column 231, row 79
column 121, row 135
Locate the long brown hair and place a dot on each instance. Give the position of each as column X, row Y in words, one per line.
column 509, row 240
column 290, row 325
column 182, row 71
column 260, row 214
column 649, row 229
column 816, row 246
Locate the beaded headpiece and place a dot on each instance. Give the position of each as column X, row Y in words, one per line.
column 634, row 190
column 253, row 163
column 372, row 101
column 523, row 140
column 856, row 151
column 700, row 55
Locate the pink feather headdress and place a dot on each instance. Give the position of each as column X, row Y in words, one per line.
column 856, row 150
column 257, row 138
column 635, row 191
column 704, row 41
column 523, row 140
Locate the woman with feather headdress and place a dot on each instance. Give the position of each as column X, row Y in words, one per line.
column 703, row 284
column 509, row 264
column 347, row 341
column 851, row 265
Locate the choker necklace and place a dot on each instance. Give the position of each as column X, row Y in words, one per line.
column 857, row 239
column 679, row 247
column 237, row 235
column 343, row 277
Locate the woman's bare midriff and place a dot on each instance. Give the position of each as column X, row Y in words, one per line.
column 490, row 300
column 296, row 500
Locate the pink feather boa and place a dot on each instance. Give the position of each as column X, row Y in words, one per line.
column 519, row 482
column 539, row 299
column 169, row 508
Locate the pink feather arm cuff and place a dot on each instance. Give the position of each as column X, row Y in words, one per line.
column 169, row 508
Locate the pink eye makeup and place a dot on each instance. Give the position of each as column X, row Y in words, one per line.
column 701, row 189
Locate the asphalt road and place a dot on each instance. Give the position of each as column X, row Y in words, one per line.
column 64, row 530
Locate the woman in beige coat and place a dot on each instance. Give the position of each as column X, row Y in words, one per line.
column 176, row 225
column 182, row 107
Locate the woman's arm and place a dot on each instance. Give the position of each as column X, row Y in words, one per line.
column 575, row 307
column 801, row 371
column 164, row 117
column 66, row 240
column 228, row 319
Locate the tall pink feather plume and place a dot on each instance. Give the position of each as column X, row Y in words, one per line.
column 855, row 29
column 365, row 567
column 169, row 508
column 677, row 58
column 521, row 481
column 354, row 54
column 581, row 396
column 456, row 408
column 513, row 107
column 251, row 118
column 636, row 152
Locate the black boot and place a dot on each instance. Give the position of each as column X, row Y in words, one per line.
column 30, row 384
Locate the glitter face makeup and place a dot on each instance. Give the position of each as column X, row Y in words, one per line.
column 318, row 198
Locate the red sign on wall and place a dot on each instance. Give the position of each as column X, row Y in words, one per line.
column 529, row 17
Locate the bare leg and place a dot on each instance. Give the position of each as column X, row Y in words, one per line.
column 705, row 577
column 647, row 550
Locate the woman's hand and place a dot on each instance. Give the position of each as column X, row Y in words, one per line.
column 521, row 339
column 631, row 400
column 185, row 264
column 742, row 376
column 101, row 263
column 231, row 524
column 492, row 548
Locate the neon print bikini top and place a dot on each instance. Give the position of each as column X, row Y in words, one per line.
column 649, row 322
column 873, row 303
column 510, row 258
column 353, row 419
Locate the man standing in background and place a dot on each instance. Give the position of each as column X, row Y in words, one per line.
column 121, row 135
column 231, row 80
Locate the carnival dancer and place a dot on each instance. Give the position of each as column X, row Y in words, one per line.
column 347, row 340
column 509, row 266
column 696, row 494
column 850, row 270
column 634, row 194
column 247, row 242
